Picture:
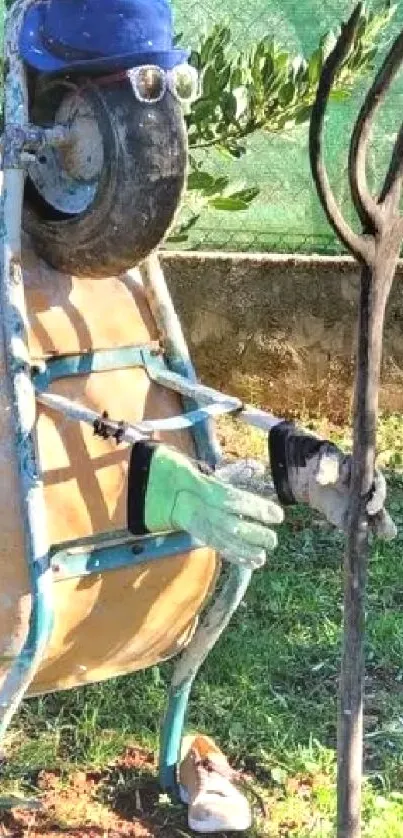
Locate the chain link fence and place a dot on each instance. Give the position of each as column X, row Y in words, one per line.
column 286, row 215
column 261, row 241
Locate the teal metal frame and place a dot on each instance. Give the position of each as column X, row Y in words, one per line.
column 220, row 611
column 28, row 384
column 14, row 336
column 113, row 551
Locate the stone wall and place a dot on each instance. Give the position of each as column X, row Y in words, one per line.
column 278, row 331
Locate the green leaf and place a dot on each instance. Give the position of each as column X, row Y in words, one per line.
column 315, row 66
column 195, row 60
column 236, row 78
column 228, row 204
column 229, row 107
column 229, row 152
column 224, row 76
column 187, row 225
column 268, row 68
column 207, row 48
column 218, row 185
column 303, row 114
column 178, row 238
column 218, row 60
column 202, row 110
column 200, row 180
column 181, row 234
column 339, row 95
column 286, row 93
column 281, row 61
column 247, row 195
column 257, row 65
column 210, row 86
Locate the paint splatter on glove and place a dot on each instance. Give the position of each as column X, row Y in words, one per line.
column 310, row 470
column 169, row 491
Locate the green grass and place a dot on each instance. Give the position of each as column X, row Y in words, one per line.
column 267, row 693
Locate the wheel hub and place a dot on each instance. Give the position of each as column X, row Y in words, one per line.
column 67, row 177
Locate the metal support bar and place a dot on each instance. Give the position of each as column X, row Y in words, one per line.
column 111, row 551
column 124, row 431
column 79, row 413
column 191, row 389
column 199, row 392
column 22, row 395
column 208, row 633
column 176, row 350
column 84, row 363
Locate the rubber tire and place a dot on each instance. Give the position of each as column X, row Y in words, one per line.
column 140, row 188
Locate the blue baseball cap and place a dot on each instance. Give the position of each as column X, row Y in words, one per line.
column 98, row 36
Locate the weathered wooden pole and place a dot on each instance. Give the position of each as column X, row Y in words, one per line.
column 377, row 249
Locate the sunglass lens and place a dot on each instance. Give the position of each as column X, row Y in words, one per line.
column 185, row 82
column 148, row 83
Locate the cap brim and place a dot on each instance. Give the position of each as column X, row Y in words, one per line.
column 115, row 63
column 36, row 56
column 31, row 47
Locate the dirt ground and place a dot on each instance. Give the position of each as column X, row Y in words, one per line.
column 122, row 801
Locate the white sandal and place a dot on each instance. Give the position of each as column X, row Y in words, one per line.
column 206, row 785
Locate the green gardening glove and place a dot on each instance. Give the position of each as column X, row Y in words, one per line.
column 169, row 491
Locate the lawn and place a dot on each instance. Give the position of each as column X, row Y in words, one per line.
column 267, row 694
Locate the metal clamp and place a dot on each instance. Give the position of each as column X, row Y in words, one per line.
column 19, row 145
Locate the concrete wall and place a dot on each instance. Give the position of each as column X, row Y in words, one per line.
column 279, row 330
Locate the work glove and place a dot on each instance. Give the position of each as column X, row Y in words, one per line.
column 169, row 491
column 306, row 469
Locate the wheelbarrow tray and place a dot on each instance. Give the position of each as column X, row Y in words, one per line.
column 119, row 619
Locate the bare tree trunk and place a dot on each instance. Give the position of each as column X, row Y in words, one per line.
column 377, row 250
column 350, row 721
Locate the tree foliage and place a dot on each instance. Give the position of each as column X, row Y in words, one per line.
column 261, row 88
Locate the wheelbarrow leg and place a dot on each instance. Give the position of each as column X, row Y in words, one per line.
column 208, row 632
column 218, row 615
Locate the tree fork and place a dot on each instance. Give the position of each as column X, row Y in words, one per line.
column 377, row 249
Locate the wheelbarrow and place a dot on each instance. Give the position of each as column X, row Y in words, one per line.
column 93, row 359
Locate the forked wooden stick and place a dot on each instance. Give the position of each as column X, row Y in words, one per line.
column 377, row 249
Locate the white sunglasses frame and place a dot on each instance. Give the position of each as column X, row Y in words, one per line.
column 167, row 77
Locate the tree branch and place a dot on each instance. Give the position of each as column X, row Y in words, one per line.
column 367, row 207
column 360, row 247
column 389, row 197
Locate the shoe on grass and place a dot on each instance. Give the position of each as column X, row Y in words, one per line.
column 206, row 784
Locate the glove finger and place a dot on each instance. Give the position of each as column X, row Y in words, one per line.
column 237, row 502
column 246, row 535
column 328, row 468
column 254, row 561
column 229, row 546
column 377, row 501
column 383, row 526
column 247, row 543
column 249, row 475
column 239, row 552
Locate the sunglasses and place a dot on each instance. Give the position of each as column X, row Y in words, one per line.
column 150, row 82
